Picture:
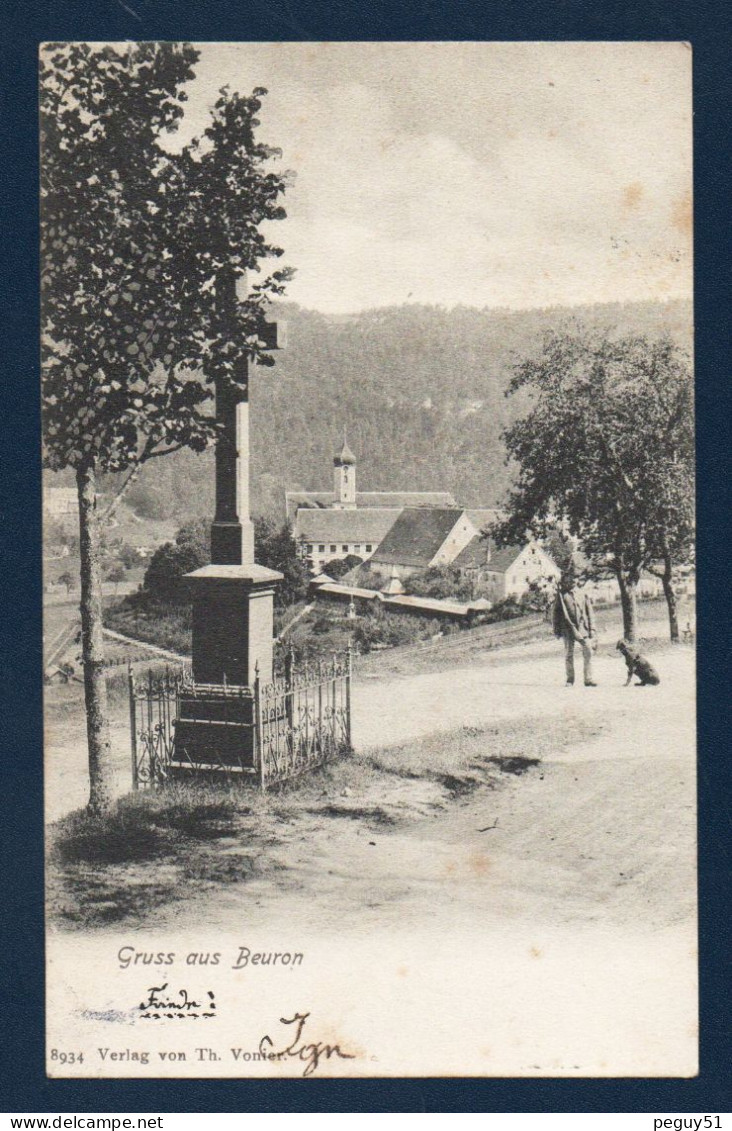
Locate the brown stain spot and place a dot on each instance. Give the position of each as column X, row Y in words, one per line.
column 535, row 951
column 552, row 133
column 682, row 215
column 450, row 869
column 632, row 195
column 479, row 863
column 402, row 971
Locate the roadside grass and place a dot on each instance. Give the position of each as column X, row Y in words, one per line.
column 142, row 618
column 160, row 848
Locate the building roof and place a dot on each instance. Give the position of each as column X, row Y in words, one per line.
column 428, row 605
column 301, row 500
column 338, row 590
column 502, row 559
column 346, row 455
column 367, row 525
column 417, row 535
column 475, row 554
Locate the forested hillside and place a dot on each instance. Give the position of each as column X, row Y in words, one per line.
column 419, row 389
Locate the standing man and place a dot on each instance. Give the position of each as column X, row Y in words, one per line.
column 574, row 621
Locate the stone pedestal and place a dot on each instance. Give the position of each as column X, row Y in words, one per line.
column 232, row 623
column 232, row 642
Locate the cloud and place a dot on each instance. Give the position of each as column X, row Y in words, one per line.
column 485, row 174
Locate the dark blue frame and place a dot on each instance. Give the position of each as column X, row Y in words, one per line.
column 25, row 1087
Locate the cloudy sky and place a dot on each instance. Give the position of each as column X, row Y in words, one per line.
column 484, row 174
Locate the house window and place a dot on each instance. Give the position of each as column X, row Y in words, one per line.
column 321, row 549
column 369, row 548
column 311, row 546
column 333, row 549
column 357, row 548
column 345, row 549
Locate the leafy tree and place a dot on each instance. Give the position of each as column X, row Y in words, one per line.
column 139, row 245
column 339, row 567
column 606, row 451
column 672, row 534
column 276, row 548
column 164, row 575
column 68, row 580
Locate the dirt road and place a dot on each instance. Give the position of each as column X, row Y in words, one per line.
column 542, row 922
column 604, row 829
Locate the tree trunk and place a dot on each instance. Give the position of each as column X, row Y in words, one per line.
column 670, row 595
column 628, row 605
column 92, row 645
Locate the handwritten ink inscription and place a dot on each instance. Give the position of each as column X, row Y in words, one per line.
column 179, row 1005
column 309, row 1053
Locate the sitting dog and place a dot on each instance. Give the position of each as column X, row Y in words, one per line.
column 638, row 665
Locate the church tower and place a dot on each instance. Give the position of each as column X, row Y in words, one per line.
column 344, row 478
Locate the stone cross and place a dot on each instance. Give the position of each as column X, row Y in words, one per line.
column 232, row 597
column 232, row 531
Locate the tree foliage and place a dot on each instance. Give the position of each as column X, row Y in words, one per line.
column 276, row 548
column 339, row 567
column 133, row 239
column 163, row 580
column 139, row 243
column 606, row 450
column 441, row 582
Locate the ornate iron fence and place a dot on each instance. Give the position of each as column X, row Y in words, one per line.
column 269, row 733
column 302, row 719
column 154, row 708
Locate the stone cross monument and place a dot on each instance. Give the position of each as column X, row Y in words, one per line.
column 233, row 597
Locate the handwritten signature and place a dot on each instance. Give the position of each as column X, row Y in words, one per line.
column 179, row 1005
column 310, row 1054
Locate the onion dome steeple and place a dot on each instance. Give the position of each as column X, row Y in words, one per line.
column 346, row 456
column 344, row 473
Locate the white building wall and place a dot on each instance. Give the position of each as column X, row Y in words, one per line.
column 317, row 557
column 461, row 534
column 532, row 564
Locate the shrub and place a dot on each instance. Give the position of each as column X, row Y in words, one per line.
column 339, row 567
column 508, row 609
column 441, row 582
column 394, row 629
column 367, row 578
column 171, row 561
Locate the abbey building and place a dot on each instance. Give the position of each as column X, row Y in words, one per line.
column 333, row 524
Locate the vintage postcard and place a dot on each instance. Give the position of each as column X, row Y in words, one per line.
column 369, row 570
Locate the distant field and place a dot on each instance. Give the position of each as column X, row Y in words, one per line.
column 55, row 617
